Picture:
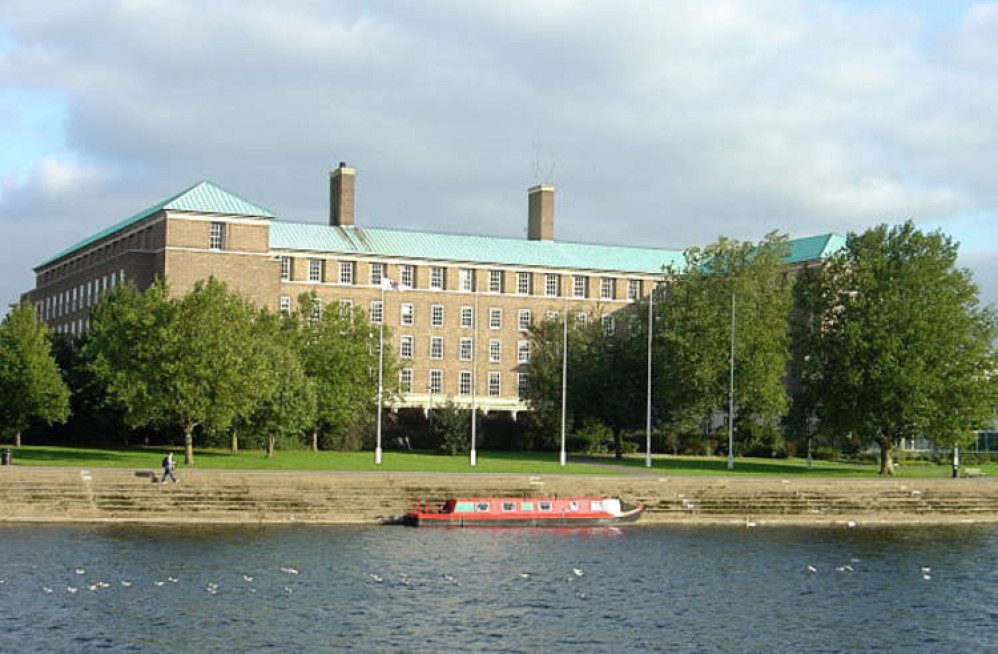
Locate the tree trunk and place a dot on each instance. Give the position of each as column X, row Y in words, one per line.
column 886, row 444
column 188, row 445
column 315, row 440
column 17, row 438
column 618, row 445
column 234, row 446
column 270, row 447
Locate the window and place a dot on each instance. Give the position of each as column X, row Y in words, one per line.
column 437, row 315
column 405, row 347
column 346, row 306
column 552, row 284
column 377, row 312
column 216, row 236
column 466, row 279
column 495, row 281
column 523, row 351
column 609, row 325
column 509, row 506
column 285, row 304
column 315, row 270
column 464, row 382
column 346, row 272
column 495, row 350
column 436, row 381
column 436, row 347
column 495, row 318
column 523, row 320
column 482, row 507
column 407, row 276
column 633, row 289
column 405, row 380
column 316, row 312
column 464, row 353
column 580, row 286
column 522, row 383
column 553, row 315
column 524, row 283
column 495, row 383
column 526, row 506
column 607, row 288
column 408, row 313
column 582, row 318
column 437, row 278
column 544, row 506
column 377, row 272
column 467, row 317
column 285, row 269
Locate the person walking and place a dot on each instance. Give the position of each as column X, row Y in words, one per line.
column 168, row 468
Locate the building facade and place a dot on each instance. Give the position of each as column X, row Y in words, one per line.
column 459, row 306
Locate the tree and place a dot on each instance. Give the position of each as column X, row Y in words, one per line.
column 452, row 429
column 30, row 384
column 693, row 336
column 189, row 361
column 895, row 342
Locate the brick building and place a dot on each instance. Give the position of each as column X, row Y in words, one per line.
column 458, row 320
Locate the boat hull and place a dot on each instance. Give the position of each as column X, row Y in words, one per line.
column 471, row 520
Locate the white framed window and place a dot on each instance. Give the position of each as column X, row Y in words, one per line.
column 377, row 273
column 436, row 347
column 466, row 279
column 285, row 269
column 467, row 317
column 315, row 270
column 580, row 286
column 465, row 350
column 436, row 315
column 495, row 281
column 524, row 283
column 553, row 315
column 405, row 347
column 633, row 289
column 407, row 313
column 216, row 236
column 582, row 318
column 464, row 382
column 552, row 284
column 607, row 288
column 495, row 383
column 285, row 304
column 407, row 276
column 436, row 383
column 609, row 325
column 495, row 350
column 438, row 278
column 523, row 351
column 405, row 380
column 495, row 318
column 523, row 320
column 377, row 312
column 346, row 306
column 347, row 269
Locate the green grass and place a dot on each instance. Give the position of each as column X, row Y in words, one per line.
column 793, row 467
column 495, row 462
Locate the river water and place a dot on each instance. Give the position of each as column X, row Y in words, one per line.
column 703, row 589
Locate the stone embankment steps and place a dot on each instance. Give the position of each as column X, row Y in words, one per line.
column 58, row 494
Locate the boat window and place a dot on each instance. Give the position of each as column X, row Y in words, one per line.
column 544, row 506
column 596, row 506
column 482, row 507
column 509, row 506
column 465, row 507
column 573, row 506
column 526, row 506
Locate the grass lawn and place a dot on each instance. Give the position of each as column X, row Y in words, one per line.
column 423, row 461
column 755, row 467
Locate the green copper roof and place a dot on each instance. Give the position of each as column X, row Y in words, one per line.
column 460, row 247
column 815, row 247
column 203, row 197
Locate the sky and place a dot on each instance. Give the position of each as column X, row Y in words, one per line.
column 662, row 124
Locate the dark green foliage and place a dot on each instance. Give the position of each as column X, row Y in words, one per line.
column 452, row 427
column 592, row 437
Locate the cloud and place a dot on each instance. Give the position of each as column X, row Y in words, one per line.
column 670, row 123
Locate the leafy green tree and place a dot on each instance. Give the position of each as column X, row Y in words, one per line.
column 452, row 429
column 192, row 361
column 338, row 351
column 895, row 343
column 31, row 387
column 693, row 336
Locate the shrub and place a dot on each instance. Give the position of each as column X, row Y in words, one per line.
column 593, row 437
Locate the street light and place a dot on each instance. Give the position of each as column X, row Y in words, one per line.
column 474, row 372
column 651, row 302
column 386, row 285
column 564, row 382
column 731, row 392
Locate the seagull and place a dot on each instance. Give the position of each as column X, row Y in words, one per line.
column 71, row 590
column 450, row 579
column 247, row 578
column 103, row 584
column 850, row 524
column 581, row 595
column 926, row 577
column 925, row 569
column 854, row 560
column 80, row 571
column 749, row 524
column 92, row 587
column 2, row 582
column 578, row 572
column 46, row 589
column 375, row 577
column 289, row 590
column 125, row 583
column 172, row 580
column 525, row 575
column 812, row 569
column 290, row 571
column 159, row 583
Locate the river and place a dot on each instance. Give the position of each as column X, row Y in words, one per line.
column 687, row 589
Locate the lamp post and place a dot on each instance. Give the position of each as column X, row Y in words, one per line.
column 474, row 373
column 731, row 392
column 386, row 284
column 651, row 303
column 564, row 382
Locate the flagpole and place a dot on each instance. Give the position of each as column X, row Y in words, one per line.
column 381, row 372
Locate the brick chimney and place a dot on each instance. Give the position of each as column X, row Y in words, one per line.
column 341, row 190
column 540, row 213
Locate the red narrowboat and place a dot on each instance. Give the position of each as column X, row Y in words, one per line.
column 524, row 512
